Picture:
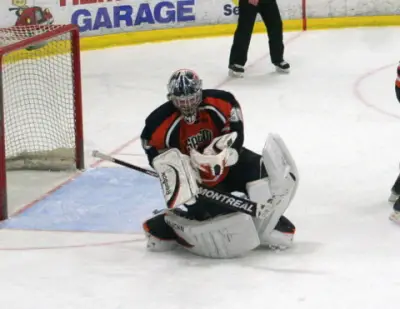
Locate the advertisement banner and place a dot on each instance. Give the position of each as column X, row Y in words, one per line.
column 24, row 12
column 290, row 9
column 125, row 16
column 97, row 17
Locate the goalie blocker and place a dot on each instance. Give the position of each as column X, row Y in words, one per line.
column 197, row 137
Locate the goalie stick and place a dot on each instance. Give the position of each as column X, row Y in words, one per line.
column 221, row 198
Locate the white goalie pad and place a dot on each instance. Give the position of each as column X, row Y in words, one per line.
column 279, row 164
column 177, row 177
column 226, row 236
column 280, row 186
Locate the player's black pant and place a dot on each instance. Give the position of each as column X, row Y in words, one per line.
column 271, row 16
column 398, row 93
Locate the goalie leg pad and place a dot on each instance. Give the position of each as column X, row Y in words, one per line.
column 269, row 234
column 279, row 164
column 225, row 236
column 280, row 187
column 269, row 230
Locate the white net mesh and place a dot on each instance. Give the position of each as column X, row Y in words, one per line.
column 38, row 100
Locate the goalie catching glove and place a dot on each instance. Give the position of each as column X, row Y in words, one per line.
column 179, row 175
column 215, row 158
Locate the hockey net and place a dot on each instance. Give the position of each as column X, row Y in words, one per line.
column 40, row 99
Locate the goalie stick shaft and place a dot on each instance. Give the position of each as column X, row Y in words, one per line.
column 221, row 198
column 105, row 157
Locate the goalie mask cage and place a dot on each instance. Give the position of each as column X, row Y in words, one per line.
column 40, row 101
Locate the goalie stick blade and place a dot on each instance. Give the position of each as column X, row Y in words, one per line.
column 236, row 203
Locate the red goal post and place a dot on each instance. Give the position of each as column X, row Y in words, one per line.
column 40, row 101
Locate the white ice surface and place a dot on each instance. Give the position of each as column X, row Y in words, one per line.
column 338, row 115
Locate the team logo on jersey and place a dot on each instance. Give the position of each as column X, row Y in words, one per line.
column 205, row 136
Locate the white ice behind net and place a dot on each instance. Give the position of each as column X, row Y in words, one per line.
column 38, row 98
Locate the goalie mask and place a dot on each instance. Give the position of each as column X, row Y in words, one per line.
column 185, row 92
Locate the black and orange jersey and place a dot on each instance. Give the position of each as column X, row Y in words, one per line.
column 219, row 114
column 397, row 87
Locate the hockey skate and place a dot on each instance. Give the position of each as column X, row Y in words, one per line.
column 282, row 67
column 395, row 216
column 281, row 237
column 393, row 197
column 395, row 191
column 236, row 70
column 160, row 237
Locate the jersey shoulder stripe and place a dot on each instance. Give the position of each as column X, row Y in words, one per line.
column 160, row 124
column 220, row 101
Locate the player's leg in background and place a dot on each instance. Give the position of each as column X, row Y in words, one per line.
column 248, row 170
column 395, row 216
column 271, row 16
column 398, row 90
column 395, row 191
column 395, row 199
column 242, row 38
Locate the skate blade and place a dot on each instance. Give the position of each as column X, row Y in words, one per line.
column 236, row 74
column 280, row 70
column 395, row 217
column 393, row 198
column 276, row 247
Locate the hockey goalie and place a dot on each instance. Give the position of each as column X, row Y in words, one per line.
column 196, row 137
column 395, row 192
